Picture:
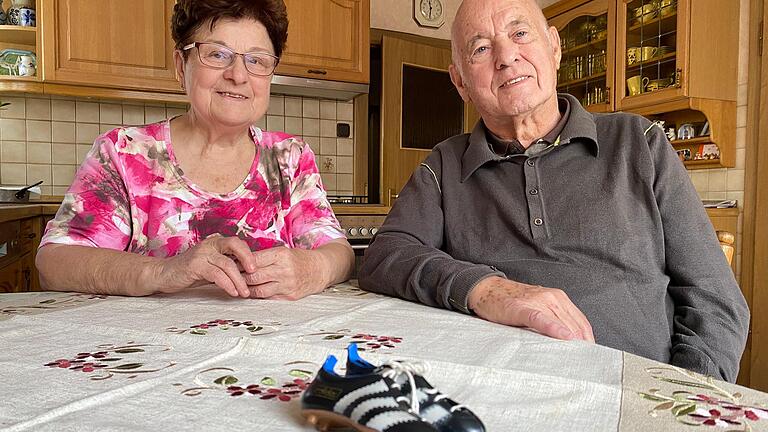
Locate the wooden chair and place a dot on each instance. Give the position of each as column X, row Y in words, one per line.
column 726, row 243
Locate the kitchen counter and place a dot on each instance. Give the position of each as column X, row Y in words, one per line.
column 48, row 206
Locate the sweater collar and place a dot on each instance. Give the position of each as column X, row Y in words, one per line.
column 580, row 126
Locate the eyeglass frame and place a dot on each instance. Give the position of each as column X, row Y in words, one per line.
column 242, row 55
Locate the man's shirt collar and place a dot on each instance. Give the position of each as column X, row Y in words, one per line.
column 579, row 125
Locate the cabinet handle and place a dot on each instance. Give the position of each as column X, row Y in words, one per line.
column 317, row 71
column 607, row 95
column 678, row 78
column 31, row 235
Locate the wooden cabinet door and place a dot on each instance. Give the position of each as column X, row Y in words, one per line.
column 10, row 277
column 109, row 43
column 327, row 39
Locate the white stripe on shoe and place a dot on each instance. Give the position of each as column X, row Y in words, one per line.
column 387, row 419
column 379, row 402
column 361, row 393
column 434, row 413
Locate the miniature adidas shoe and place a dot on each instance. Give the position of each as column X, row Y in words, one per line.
column 442, row 412
column 367, row 402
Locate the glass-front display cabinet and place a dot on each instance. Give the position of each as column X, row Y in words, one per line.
column 674, row 61
column 674, row 49
column 587, row 42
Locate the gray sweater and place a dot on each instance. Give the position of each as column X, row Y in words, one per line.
column 609, row 216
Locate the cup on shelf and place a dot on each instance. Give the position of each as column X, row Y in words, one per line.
column 648, row 52
column 667, row 7
column 634, row 55
column 658, row 84
column 636, row 84
column 25, row 64
column 27, row 17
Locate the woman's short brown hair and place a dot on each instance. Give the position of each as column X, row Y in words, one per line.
column 190, row 15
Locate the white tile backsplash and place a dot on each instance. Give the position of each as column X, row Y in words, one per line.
column 47, row 138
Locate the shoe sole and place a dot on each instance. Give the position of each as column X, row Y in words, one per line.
column 328, row 421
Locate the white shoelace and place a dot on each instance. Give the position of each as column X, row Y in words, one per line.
column 394, row 369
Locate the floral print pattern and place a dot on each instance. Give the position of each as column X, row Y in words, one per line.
column 694, row 408
column 365, row 341
column 59, row 301
column 130, row 194
column 268, row 388
column 110, row 360
column 258, row 329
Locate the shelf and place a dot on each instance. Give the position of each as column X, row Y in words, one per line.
column 652, row 61
column 692, row 141
column 12, row 34
column 665, row 23
column 703, row 164
column 19, row 78
column 583, row 48
column 594, row 77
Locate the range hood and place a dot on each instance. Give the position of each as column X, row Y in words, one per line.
column 294, row 86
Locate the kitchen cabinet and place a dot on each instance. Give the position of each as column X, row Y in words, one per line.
column 661, row 61
column 327, row 39
column 18, row 245
column 14, row 37
column 587, row 40
column 115, row 44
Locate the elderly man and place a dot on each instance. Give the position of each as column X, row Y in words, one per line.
column 577, row 225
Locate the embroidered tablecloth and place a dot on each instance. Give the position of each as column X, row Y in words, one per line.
column 200, row 360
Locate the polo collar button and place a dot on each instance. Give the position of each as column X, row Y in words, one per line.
column 538, row 222
column 530, row 162
column 533, row 191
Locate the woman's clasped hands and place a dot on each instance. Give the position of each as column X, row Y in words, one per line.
column 228, row 263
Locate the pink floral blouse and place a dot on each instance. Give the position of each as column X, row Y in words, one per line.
column 130, row 194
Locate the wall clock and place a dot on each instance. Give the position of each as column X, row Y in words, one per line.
column 429, row 13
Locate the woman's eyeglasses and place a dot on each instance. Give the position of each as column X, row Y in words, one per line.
column 220, row 57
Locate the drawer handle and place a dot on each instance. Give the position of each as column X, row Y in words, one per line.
column 317, row 71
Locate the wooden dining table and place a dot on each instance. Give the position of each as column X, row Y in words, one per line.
column 200, row 360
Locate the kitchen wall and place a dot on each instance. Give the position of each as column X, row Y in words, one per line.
column 44, row 138
column 397, row 15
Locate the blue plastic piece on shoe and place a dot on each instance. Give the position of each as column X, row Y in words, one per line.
column 354, row 357
column 329, row 364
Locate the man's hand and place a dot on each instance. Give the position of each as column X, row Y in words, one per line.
column 546, row 310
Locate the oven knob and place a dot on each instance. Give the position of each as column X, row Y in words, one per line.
column 363, row 231
column 352, row 231
column 374, row 230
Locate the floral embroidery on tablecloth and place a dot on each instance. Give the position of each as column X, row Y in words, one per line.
column 110, row 359
column 61, row 301
column 365, row 341
column 707, row 403
column 253, row 329
column 287, row 386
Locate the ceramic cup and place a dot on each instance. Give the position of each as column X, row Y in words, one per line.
column 648, row 52
column 13, row 16
column 634, row 54
column 636, row 84
column 26, row 65
column 658, row 84
column 27, row 17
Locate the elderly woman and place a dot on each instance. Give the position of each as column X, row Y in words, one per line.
column 205, row 197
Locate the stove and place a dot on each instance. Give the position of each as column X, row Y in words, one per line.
column 360, row 222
